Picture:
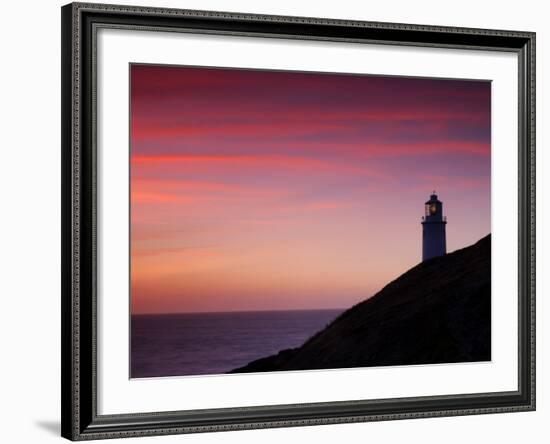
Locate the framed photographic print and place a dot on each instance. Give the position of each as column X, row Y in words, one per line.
column 279, row 221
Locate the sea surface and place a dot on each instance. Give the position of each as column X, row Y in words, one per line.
column 214, row 343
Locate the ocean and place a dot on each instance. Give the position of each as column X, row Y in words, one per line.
column 214, row 343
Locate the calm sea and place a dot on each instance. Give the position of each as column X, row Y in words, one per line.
column 213, row 343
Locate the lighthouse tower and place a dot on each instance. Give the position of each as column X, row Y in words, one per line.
column 434, row 242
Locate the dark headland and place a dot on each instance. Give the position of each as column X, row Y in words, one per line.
column 437, row 312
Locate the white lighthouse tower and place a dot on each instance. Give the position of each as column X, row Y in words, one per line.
column 434, row 240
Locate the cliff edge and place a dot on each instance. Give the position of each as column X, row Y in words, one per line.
column 437, row 312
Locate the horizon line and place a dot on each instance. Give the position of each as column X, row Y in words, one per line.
column 237, row 311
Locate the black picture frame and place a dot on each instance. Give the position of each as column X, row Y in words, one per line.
column 79, row 170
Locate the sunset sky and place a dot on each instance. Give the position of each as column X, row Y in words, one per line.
column 261, row 190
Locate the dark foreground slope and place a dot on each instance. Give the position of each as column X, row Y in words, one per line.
column 437, row 312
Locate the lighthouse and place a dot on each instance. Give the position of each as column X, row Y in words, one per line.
column 434, row 241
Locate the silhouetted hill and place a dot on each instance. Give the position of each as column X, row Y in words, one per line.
column 437, row 312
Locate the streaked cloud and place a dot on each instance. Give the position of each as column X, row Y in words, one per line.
column 262, row 189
